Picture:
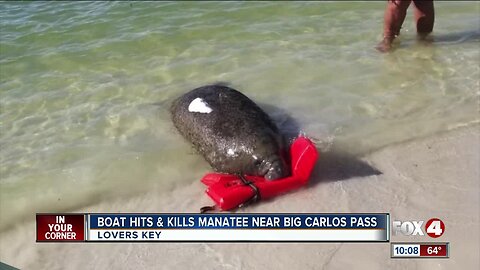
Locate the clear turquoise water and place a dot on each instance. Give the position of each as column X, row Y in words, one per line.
column 85, row 86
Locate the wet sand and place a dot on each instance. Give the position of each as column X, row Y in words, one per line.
column 436, row 176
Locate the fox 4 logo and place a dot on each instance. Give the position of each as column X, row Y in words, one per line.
column 434, row 227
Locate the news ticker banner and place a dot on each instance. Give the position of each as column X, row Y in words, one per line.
column 420, row 250
column 213, row 227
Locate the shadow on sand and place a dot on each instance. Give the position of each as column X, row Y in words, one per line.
column 456, row 38
column 331, row 166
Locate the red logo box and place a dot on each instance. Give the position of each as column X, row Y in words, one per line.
column 434, row 250
column 60, row 227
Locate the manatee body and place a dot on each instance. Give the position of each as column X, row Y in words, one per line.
column 231, row 132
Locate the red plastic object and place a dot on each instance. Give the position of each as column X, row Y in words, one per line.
column 229, row 192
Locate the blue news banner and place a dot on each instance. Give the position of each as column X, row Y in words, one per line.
column 237, row 227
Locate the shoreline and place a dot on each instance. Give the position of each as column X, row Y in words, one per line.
column 436, row 176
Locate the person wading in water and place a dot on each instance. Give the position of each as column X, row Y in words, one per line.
column 395, row 13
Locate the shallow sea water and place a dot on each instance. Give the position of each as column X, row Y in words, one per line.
column 85, row 87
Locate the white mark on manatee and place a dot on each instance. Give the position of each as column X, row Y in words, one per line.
column 198, row 105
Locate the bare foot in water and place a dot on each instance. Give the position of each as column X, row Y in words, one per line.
column 385, row 45
column 425, row 39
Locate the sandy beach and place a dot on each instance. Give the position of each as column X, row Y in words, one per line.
column 85, row 124
column 436, row 176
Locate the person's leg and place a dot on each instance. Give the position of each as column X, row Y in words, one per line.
column 424, row 16
column 394, row 17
